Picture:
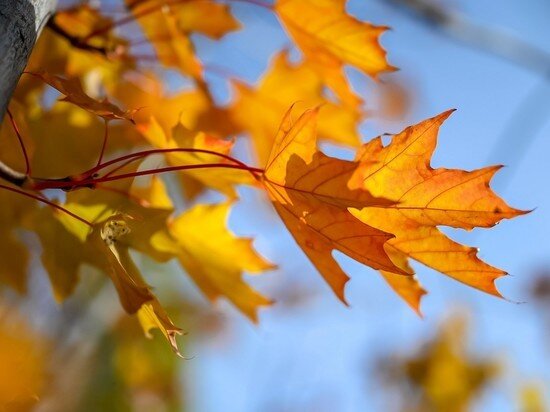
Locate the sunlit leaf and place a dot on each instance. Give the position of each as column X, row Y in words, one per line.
column 311, row 194
column 426, row 198
column 330, row 38
column 215, row 258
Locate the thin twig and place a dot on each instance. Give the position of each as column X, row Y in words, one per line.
column 175, row 169
column 21, row 143
column 14, row 177
column 104, row 144
column 150, row 152
column 70, row 184
column 46, row 201
column 79, row 43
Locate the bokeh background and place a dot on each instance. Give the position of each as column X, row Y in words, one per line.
column 491, row 61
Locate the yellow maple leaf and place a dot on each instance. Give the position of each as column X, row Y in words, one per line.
column 106, row 245
column 331, row 38
column 193, row 108
column 168, row 25
column 54, row 54
column 532, row 397
column 179, row 137
column 63, row 253
column 24, row 359
column 77, row 23
column 132, row 291
column 213, row 257
column 67, row 243
column 206, row 17
column 14, row 254
column 259, row 110
column 134, row 294
column 444, row 358
column 65, row 140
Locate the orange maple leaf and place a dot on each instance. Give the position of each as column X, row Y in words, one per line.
column 71, row 88
column 310, row 192
column 382, row 208
column 426, row 198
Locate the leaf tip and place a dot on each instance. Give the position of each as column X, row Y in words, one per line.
column 340, row 292
column 445, row 115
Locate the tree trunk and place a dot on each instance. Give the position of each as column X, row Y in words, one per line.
column 20, row 24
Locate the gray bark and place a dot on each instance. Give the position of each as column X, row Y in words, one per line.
column 20, row 24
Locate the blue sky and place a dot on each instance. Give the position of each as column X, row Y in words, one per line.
column 318, row 355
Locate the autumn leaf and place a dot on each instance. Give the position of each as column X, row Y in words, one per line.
column 54, row 54
column 206, row 17
column 215, row 258
column 89, row 213
column 445, row 358
column 134, row 294
column 24, row 354
column 78, row 23
column 106, row 245
column 395, row 100
column 73, row 92
column 65, row 140
column 311, row 194
column 132, row 291
column 222, row 180
column 174, row 48
column 14, row 254
column 82, row 245
column 193, row 108
column 531, row 397
column 211, row 255
column 259, row 110
column 61, row 263
column 426, row 198
column 168, row 26
column 407, row 287
column 330, row 38
column 395, row 193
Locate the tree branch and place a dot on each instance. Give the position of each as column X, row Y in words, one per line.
column 20, row 24
column 12, row 176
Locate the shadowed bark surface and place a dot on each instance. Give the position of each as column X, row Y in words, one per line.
column 20, row 24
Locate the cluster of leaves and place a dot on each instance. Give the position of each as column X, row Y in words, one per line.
column 381, row 209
